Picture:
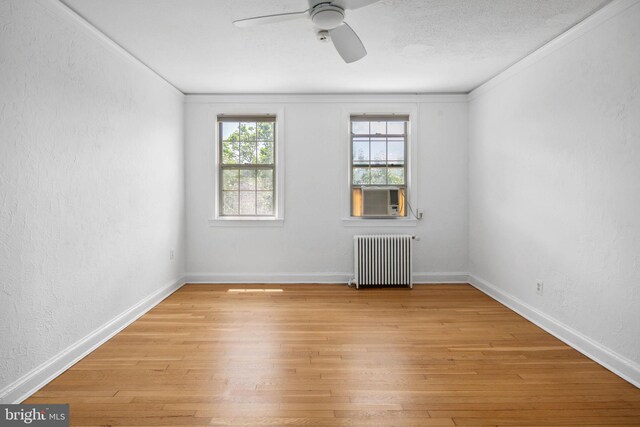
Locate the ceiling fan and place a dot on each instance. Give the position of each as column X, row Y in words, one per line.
column 328, row 16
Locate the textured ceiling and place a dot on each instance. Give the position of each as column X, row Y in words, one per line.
column 415, row 46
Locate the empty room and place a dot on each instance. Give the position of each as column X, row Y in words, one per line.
column 320, row 212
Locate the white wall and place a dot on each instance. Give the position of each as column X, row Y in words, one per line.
column 554, row 164
column 314, row 244
column 91, row 183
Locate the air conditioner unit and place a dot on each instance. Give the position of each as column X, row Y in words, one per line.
column 380, row 202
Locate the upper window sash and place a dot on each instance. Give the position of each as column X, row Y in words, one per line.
column 267, row 118
column 379, row 117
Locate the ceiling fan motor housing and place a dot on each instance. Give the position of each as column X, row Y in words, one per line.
column 327, row 16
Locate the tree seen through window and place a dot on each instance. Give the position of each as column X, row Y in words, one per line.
column 247, row 167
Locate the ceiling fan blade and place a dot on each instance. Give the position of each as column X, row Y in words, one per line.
column 354, row 4
column 347, row 43
column 269, row 19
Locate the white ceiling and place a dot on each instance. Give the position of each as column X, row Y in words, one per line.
column 415, row 46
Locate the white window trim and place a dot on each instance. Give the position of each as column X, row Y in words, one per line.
column 412, row 110
column 249, row 221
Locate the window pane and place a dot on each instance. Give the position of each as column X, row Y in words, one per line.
column 247, row 152
column 396, row 176
column 265, row 180
column 385, row 164
column 395, row 128
column 230, row 131
column 360, row 128
column 378, row 176
column 265, row 131
column 378, row 150
column 396, row 150
column 229, row 203
column 247, row 203
column 230, row 179
column 230, row 152
column 247, row 187
column 247, row 131
column 361, row 150
column 265, row 153
column 265, row 202
column 361, row 176
column 378, row 128
column 248, row 180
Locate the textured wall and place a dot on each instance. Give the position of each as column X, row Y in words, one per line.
column 314, row 240
column 91, row 183
column 555, row 184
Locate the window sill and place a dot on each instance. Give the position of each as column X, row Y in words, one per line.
column 377, row 222
column 246, row 222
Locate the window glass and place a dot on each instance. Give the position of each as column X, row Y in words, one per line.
column 247, row 166
column 378, row 159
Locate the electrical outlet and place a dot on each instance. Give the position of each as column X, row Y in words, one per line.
column 539, row 287
column 171, row 254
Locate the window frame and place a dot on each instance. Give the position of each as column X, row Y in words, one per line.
column 410, row 110
column 368, row 118
column 275, row 220
column 221, row 119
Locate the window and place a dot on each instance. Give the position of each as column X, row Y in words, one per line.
column 378, row 165
column 247, row 166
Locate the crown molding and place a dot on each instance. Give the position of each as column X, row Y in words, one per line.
column 76, row 20
column 323, row 98
column 590, row 23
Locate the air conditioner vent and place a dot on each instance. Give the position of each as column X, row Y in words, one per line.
column 380, row 202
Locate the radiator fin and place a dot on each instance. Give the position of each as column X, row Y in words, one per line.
column 382, row 260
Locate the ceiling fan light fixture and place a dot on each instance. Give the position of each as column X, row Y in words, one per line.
column 327, row 17
column 323, row 35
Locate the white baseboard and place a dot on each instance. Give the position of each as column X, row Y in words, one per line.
column 38, row 377
column 435, row 278
column 616, row 363
column 219, row 278
column 28, row 384
column 254, row 278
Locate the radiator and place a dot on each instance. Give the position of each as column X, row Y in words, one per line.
column 382, row 260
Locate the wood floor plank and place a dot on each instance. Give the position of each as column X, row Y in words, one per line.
column 329, row 355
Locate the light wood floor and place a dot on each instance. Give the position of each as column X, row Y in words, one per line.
column 327, row 355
